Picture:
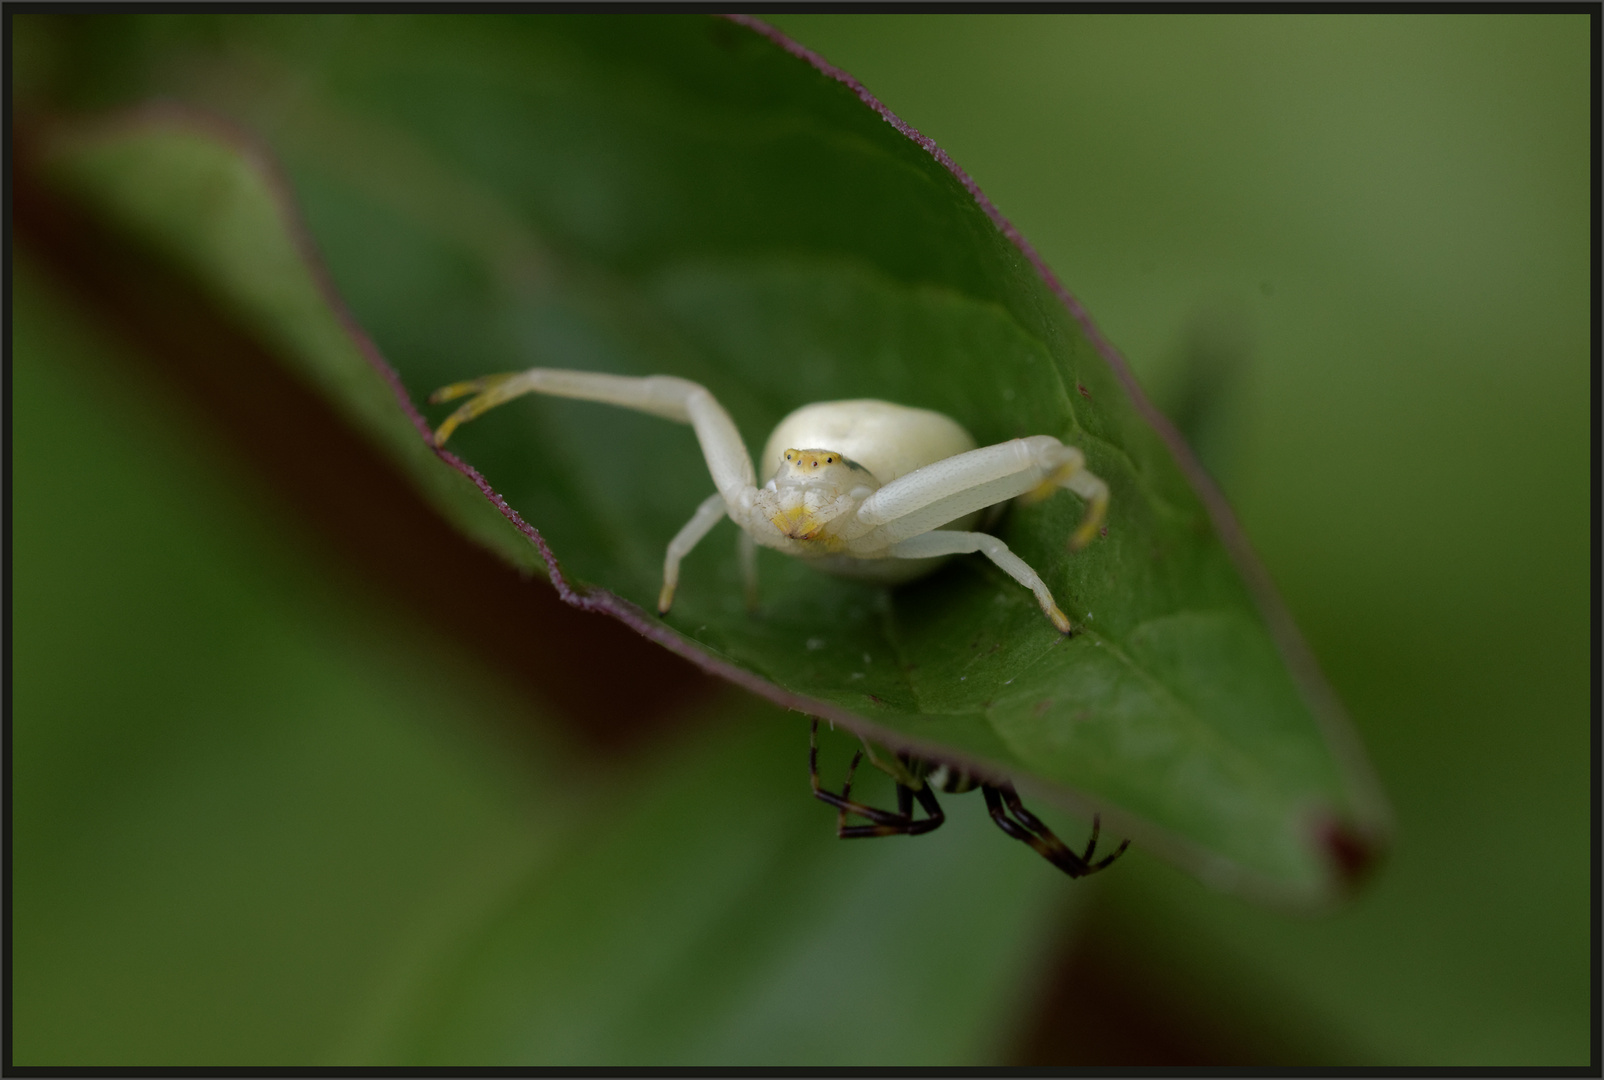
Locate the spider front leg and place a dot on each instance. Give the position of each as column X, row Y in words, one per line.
column 928, row 498
column 746, row 556
column 707, row 515
column 1030, row 829
column 886, row 823
column 1072, row 474
column 943, row 542
column 660, row 395
column 904, row 517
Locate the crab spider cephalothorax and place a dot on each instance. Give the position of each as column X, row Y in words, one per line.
column 862, row 489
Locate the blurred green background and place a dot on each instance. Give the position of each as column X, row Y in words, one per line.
column 265, row 814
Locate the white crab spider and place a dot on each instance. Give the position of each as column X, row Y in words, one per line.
column 857, row 488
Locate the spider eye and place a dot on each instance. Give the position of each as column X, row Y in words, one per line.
column 829, row 461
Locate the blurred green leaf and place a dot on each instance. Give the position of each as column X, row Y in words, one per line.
column 681, row 195
column 236, row 803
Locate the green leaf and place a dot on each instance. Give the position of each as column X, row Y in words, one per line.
column 687, row 196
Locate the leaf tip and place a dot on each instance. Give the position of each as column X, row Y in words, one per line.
column 1352, row 854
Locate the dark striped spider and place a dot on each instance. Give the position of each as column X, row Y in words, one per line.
column 917, row 779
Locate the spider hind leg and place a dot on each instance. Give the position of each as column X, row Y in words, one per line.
column 884, row 822
column 1002, row 800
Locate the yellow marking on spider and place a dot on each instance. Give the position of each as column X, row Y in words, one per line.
column 1089, row 528
column 1059, row 619
column 1050, row 485
column 797, row 523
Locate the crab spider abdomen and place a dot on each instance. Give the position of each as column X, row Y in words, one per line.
column 885, row 439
